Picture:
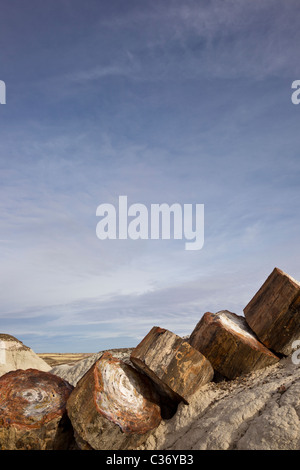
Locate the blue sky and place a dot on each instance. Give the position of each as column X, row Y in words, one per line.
column 162, row 101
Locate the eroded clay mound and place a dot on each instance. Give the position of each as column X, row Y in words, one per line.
column 15, row 355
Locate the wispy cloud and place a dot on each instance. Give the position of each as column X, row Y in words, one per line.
column 100, row 72
column 164, row 102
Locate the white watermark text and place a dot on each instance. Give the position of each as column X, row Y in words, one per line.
column 161, row 221
column 2, row 92
column 296, row 94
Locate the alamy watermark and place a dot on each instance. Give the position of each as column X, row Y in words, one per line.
column 161, row 221
column 296, row 94
column 2, row 92
column 296, row 353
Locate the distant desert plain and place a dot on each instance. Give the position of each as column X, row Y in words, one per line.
column 56, row 359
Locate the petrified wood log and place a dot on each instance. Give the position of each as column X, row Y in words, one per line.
column 33, row 411
column 229, row 344
column 274, row 312
column 178, row 369
column 113, row 406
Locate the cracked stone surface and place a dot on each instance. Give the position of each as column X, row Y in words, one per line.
column 260, row 410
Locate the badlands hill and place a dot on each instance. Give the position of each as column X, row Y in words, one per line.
column 15, row 355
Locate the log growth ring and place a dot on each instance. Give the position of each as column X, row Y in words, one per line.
column 32, row 398
column 125, row 397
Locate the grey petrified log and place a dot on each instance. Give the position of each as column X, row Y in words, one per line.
column 177, row 368
column 229, row 344
column 33, row 411
column 113, row 406
column 274, row 312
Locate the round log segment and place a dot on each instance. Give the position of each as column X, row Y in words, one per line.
column 113, row 406
column 274, row 312
column 33, row 411
column 172, row 363
column 230, row 345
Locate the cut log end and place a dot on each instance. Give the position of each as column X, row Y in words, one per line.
column 32, row 404
column 230, row 345
column 238, row 327
column 31, row 398
column 113, row 406
column 177, row 369
column 274, row 312
column 124, row 397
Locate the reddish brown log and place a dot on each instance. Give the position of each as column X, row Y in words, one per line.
column 229, row 344
column 274, row 312
column 177, row 368
column 33, row 411
column 113, row 406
